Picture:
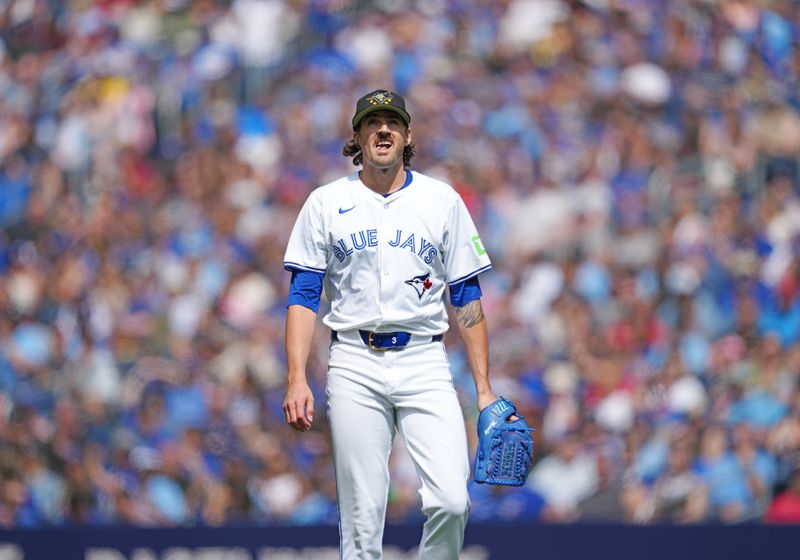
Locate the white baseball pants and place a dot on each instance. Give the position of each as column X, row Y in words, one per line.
column 373, row 394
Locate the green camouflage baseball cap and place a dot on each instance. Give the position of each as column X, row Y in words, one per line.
column 380, row 100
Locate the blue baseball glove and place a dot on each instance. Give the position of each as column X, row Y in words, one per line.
column 505, row 447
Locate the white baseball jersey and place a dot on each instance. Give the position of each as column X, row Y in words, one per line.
column 387, row 260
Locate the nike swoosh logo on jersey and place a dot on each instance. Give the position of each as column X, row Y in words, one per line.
column 343, row 210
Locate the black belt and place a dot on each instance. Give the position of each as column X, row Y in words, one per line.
column 386, row 340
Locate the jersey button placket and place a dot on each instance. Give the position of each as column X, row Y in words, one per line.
column 383, row 276
column 381, row 261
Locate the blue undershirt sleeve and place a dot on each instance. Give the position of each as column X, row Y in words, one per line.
column 464, row 292
column 305, row 289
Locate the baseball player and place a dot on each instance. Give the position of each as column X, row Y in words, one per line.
column 384, row 243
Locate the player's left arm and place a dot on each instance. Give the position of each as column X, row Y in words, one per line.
column 475, row 334
column 465, row 259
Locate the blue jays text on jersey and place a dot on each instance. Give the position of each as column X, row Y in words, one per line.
column 362, row 239
column 386, row 261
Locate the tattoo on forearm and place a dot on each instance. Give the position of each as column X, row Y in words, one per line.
column 471, row 314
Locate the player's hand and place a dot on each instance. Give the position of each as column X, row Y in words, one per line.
column 298, row 406
column 485, row 399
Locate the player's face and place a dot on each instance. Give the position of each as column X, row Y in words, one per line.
column 382, row 136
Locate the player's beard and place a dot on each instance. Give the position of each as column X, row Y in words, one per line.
column 384, row 161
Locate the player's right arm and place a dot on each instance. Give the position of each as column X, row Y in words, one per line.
column 298, row 405
column 306, row 259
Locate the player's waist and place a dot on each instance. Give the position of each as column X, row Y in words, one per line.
column 381, row 341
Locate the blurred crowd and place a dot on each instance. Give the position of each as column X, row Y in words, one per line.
column 632, row 166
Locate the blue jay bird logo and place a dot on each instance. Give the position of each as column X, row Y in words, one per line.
column 421, row 283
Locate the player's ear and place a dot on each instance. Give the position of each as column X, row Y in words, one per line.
column 356, row 138
column 408, row 136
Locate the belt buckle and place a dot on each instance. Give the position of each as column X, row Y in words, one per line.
column 373, row 347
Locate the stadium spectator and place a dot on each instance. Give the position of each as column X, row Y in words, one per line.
column 785, row 508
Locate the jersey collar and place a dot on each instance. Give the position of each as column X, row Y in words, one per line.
column 409, row 178
column 407, row 182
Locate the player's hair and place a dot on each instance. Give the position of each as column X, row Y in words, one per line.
column 353, row 150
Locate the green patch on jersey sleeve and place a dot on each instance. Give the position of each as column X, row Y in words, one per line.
column 476, row 241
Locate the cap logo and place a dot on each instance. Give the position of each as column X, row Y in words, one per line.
column 380, row 98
